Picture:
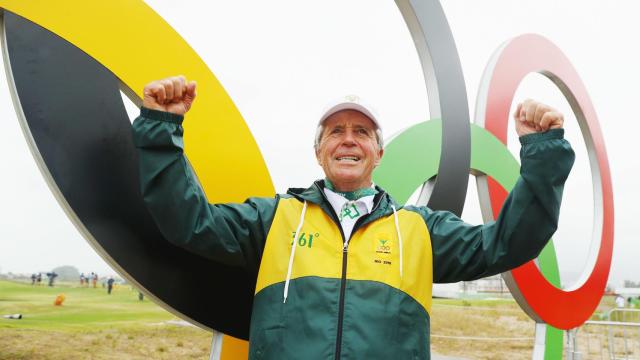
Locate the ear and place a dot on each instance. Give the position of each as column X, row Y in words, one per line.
column 318, row 157
column 380, row 153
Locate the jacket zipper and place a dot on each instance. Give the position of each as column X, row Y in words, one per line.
column 343, row 285
column 343, row 280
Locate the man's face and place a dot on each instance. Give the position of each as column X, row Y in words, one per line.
column 348, row 151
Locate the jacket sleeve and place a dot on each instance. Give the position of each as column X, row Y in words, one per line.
column 527, row 220
column 233, row 234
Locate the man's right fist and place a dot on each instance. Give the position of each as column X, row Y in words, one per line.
column 174, row 95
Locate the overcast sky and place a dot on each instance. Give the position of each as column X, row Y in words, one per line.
column 282, row 61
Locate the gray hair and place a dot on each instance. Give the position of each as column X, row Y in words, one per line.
column 320, row 130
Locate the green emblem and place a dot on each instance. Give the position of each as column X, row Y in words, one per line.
column 383, row 248
column 349, row 210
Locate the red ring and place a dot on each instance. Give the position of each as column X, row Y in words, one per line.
column 523, row 55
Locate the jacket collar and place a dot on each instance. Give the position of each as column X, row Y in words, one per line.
column 315, row 194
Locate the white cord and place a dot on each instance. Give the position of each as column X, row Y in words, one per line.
column 293, row 251
column 395, row 216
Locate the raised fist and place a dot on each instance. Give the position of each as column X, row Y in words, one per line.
column 532, row 117
column 173, row 94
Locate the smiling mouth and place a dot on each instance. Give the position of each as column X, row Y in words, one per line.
column 353, row 159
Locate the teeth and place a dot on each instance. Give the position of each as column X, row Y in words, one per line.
column 351, row 158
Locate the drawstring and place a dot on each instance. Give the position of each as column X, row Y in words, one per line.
column 395, row 216
column 293, row 251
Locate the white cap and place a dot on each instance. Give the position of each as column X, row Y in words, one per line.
column 350, row 102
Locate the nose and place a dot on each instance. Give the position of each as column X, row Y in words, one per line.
column 349, row 138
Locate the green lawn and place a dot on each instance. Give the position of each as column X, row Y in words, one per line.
column 91, row 325
column 83, row 308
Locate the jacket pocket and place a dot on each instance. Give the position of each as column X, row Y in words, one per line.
column 268, row 344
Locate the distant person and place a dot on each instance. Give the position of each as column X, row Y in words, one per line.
column 619, row 301
column 39, row 279
column 94, row 280
column 110, row 285
column 81, row 279
column 140, row 295
column 52, row 276
column 33, row 279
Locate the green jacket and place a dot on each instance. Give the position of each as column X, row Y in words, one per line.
column 360, row 302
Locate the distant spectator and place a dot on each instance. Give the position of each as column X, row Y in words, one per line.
column 81, row 279
column 619, row 301
column 94, row 279
column 110, row 285
column 33, row 279
column 39, row 279
column 52, row 276
column 140, row 296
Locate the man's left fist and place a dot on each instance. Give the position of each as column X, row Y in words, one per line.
column 532, row 117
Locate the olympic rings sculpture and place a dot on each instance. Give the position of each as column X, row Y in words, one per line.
column 90, row 165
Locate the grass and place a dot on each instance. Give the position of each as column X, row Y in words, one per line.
column 92, row 325
column 83, row 308
column 468, row 329
column 453, row 322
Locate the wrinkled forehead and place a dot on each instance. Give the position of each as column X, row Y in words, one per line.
column 349, row 118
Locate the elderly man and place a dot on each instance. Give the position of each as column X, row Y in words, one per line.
column 343, row 270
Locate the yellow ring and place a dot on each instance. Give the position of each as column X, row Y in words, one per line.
column 137, row 46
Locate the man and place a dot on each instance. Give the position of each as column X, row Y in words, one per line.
column 343, row 270
column 110, row 285
column 52, row 276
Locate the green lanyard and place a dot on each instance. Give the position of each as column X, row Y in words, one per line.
column 351, row 195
